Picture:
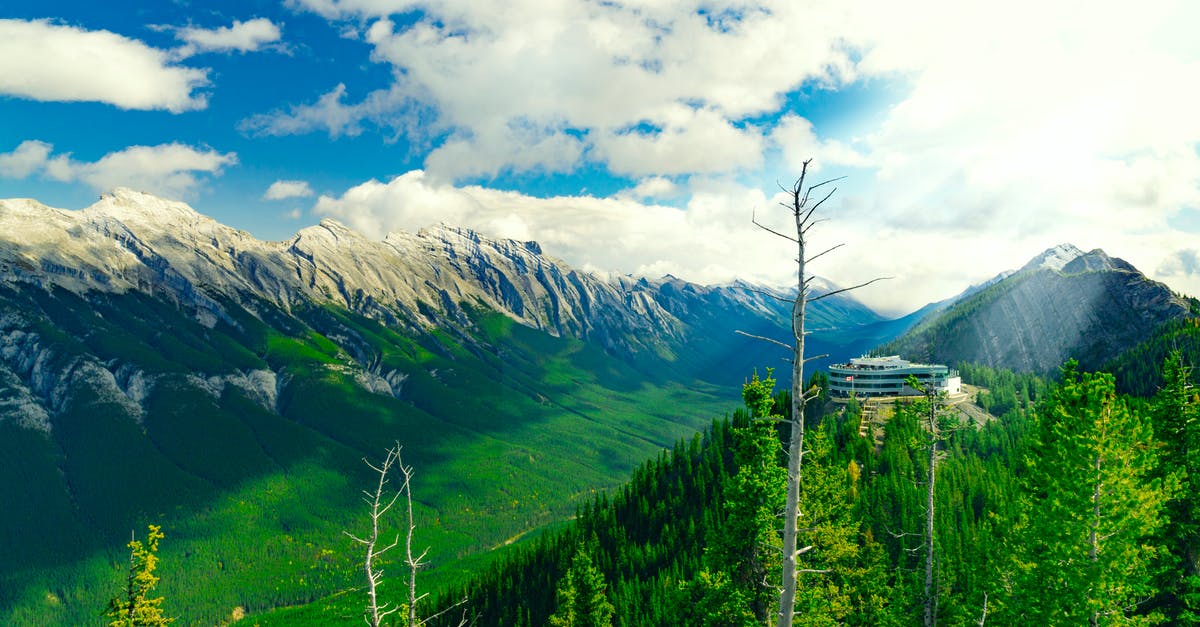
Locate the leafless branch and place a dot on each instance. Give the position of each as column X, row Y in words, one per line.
column 847, row 289
column 754, row 220
column 777, row 297
column 374, row 610
column 461, row 623
column 811, row 223
column 827, row 196
column 827, row 250
column 765, row 339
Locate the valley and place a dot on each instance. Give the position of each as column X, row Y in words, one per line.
column 229, row 391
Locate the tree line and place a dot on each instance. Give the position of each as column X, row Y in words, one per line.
column 1075, row 506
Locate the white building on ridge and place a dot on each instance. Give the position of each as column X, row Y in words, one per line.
column 885, row 376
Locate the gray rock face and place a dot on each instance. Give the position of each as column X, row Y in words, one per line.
column 133, row 241
column 1063, row 304
column 438, row 278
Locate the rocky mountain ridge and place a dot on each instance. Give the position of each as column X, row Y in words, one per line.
column 438, row 279
column 133, row 241
column 1064, row 303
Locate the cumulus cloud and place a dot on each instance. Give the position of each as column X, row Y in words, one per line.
column 652, row 187
column 1181, row 263
column 43, row 60
column 643, row 87
column 1005, row 136
column 281, row 189
column 29, row 157
column 248, row 36
column 797, row 141
column 169, row 170
column 638, row 238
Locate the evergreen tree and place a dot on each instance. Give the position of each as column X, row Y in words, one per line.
column 1092, row 507
column 1177, row 420
column 582, row 601
column 137, row 608
column 711, row 600
column 747, row 546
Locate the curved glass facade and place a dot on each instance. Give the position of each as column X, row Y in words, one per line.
column 886, row 376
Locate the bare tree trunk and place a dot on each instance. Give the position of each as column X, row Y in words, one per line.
column 791, row 516
column 414, row 562
column 375, row 611
column 802, row 213
column 930, row 596
column 1093, row 536
column 376, row 500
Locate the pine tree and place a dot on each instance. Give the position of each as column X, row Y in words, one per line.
column 137, row 608
column 747, row 546
column 1177, row 421
column 1093, row 505
column 582, row 601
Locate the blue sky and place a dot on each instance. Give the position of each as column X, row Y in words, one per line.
column 636, row 136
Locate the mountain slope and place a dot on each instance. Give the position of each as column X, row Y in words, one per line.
column 1063, row 304
column 157, row 366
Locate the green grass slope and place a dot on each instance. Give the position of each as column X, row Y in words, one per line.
column 508, row 429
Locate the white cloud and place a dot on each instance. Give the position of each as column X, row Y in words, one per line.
column 280, row 190
column 694, row 141
column 652, row 187
column 384, row 108
column 42, row 60
column 1181, row 263
column 519, row 145
column 248, row 36
column 636, row 238
column 169, row 170
column 796, row 140
column 27, row 158
column 645, row 87
column 1007, row 135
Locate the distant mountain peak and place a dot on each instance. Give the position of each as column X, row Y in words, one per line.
column 1064, row 303
column 1068, row 259
column 126, row 204
column 1054, row 258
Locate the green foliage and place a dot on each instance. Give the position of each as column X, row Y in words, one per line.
column 257, row 492
column 711, row 600
column 1091, row 511
column 137, row 608
column 1139, row 372
column 582, row 601
column 747, row 546
column 1176, row 413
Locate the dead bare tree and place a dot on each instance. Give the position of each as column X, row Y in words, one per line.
column 379, row 504
column 802, row 212
column 930, row 594
column 376, row 611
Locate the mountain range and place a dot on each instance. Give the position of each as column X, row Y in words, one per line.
column 158, row 366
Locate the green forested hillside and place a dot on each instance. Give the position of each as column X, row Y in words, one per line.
column 510, row 429
column 1024, row 532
